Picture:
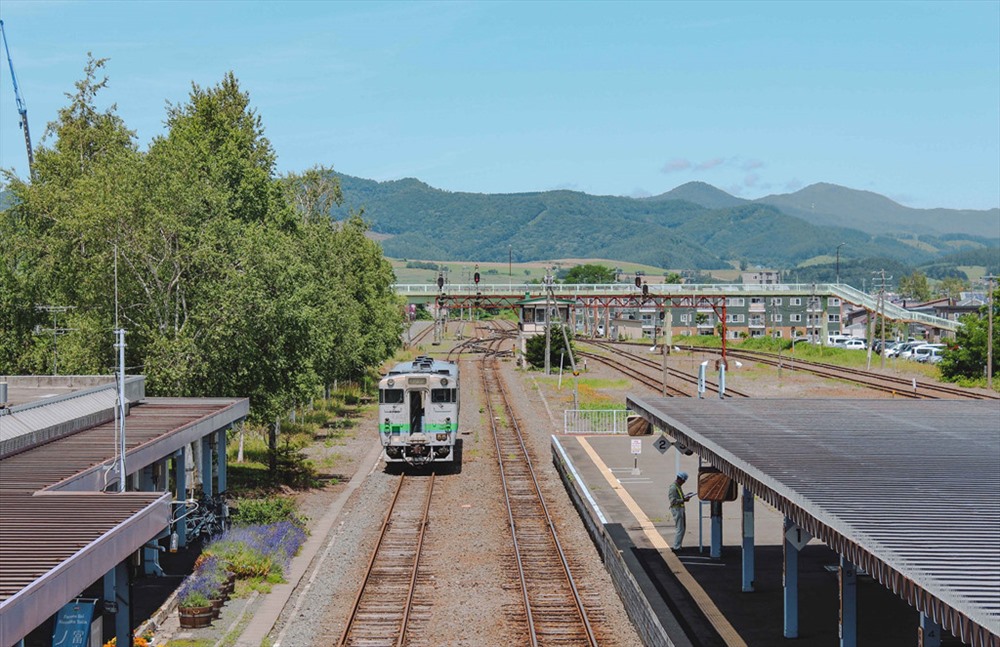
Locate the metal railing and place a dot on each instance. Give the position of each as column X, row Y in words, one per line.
column 595, row 421
column 568, row 290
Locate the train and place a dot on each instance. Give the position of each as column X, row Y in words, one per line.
column 418, row 405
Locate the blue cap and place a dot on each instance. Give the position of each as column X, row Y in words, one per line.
column 682, row 476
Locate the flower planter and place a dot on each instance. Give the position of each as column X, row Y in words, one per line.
column 195, row 617
column 217, row 607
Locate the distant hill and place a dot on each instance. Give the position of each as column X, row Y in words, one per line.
column 702, row 194
column 417, row 221
column 828, row 204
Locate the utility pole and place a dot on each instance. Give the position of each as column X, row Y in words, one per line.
column 881, row 307
column 55, row 311
column 568, row 349
column 548, row 336
column 989, row 334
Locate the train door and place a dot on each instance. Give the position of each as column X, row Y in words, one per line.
column 416, row 412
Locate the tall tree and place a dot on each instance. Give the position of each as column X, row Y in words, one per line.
column 589, row 273
column 967, row 357
column 915, row 286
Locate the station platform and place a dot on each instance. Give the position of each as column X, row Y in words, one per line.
column 689, row 598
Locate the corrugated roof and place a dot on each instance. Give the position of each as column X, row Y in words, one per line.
column 908, row 490
column 75, row 462
column 53, row 546
column 59, row 532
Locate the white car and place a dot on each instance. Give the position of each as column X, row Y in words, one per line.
column 904, row 351
column 856, row 344
column 934, row 356
column 922, row 353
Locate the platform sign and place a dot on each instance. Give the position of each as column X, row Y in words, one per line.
column 637, row 446
column 73, row 625
column 797, row 537
column 661, row 444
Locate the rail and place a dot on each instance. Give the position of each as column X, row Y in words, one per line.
column 545, row 602
column 385, row 597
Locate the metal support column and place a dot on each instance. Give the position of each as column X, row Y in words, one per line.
column 929, row 633
column 716, row 549
column 145, row 477
column 206, row 466
column 220, row 447
column 748, row 549
column 848, row 603
column 118, row 601
column 180, row 479
column 791, row 581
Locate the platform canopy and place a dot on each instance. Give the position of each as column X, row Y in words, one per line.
column 907, row 490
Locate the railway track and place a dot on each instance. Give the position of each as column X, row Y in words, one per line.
column 639, row 376
column 898, row 386
column 554, row 612
column 652, row 382
column 382, row 610
column 421, row 336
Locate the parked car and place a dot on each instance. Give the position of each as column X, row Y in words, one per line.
column 922, row 352
column 903, row 351
column 934, row 356
column 856, row 344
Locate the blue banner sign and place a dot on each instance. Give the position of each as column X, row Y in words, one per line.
column 73, row 625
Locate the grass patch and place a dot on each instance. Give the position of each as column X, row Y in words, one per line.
column 190, row 642
column 596, row 383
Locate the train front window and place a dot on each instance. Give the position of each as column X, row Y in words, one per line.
column 390, row 396
column 443, row 396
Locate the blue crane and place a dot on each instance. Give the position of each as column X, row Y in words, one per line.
column 21, row 108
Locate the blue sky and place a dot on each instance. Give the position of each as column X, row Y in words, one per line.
column 608, row 98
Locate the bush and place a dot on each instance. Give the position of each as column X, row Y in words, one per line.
column 535, row 348
column 258, row 550
column 248, row 512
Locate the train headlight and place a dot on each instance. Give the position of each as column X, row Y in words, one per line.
column 442, row 437
column 390, row 383
column 444, row 381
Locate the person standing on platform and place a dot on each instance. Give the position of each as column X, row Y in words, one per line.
column 677, row 500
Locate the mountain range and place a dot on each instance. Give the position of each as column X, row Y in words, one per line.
column 694, row 226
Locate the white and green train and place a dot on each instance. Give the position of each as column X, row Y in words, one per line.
column 418, row 411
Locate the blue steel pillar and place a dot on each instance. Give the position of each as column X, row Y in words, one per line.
column 116, row 596
column 220, row 446
column 848, row 603
column 206, row 466
column 716, row 550
column 180, row 480
column 929, row 632
column 791, row 583
column 748, row 550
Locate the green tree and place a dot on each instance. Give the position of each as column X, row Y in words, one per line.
column 967, row 357
column 59, row 235
column 952, row 287
column 589, row 273
column 534, row 350
column 915, row 286
column 231, row 281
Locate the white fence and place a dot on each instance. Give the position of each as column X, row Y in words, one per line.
column 595, row 421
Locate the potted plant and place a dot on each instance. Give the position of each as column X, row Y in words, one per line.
column 193, row 601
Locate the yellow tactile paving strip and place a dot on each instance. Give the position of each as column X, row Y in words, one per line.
column 712, row 613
